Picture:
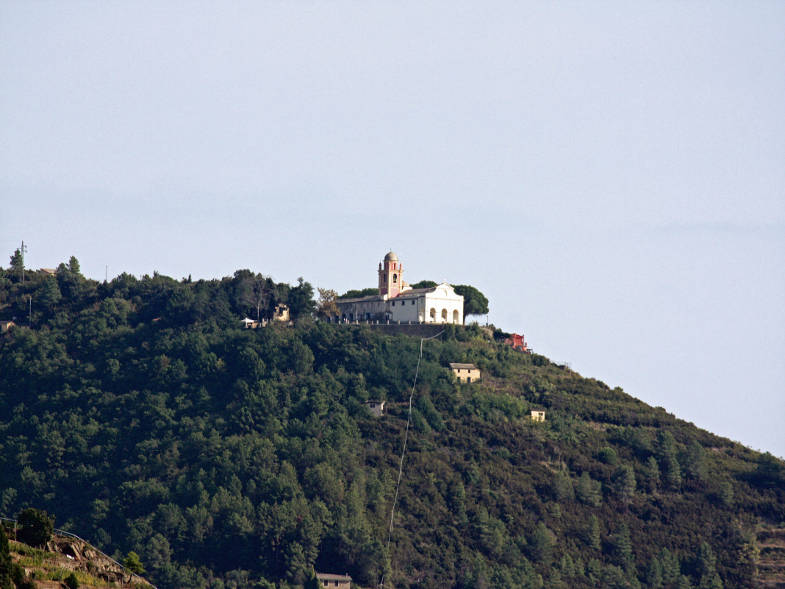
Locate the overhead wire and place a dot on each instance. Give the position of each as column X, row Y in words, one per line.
column 403, row 450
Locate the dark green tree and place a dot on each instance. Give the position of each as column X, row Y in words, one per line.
column 133, row 564
column 622, row 546
column 541, row 544
column 671, row 567
column 591, row 534
column 588, row 491
column 707, row 568
column 359, row 293
column 654, row 573
column 474, row 302
column 35, row 526
column 18, row 263
column 652, row 475
column 301, row 303
column 624, row 483
column 48, row 293
column 424, row 284
column 695, row 463
column 770, row 471
column 5, row 561
column 71, row 581
column 73, row 266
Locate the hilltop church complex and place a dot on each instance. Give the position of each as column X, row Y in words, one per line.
column 397, row 302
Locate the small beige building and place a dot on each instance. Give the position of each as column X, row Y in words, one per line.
column 465, row 372
column 6, row 325
column 375, row 407
column 336, row 581
column 538, row 415
column 281, row 313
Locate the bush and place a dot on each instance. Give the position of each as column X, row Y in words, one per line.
column 71, row 581
column 36, row 527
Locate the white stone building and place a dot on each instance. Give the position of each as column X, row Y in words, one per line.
column 397, row 302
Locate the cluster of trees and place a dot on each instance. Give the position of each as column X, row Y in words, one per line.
column 151, row 422
column 41, row 298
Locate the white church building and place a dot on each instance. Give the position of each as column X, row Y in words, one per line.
column 397, row 302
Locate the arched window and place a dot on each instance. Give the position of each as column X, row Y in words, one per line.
column 444, row 315
column 395, row 278
column 455, row 318
column 433, row 314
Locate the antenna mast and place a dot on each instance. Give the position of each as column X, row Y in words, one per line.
column 22, row 251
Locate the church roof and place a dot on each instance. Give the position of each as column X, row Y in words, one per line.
column 415, row 292
column 391, row 257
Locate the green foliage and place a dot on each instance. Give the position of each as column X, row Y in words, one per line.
column 17, row 263
column 359, row 293
column 133, row 564
column 424, row 284
column 71, row 581
column 5, row 561
column 474, row 302
column 35, row 526
column 623, row 482
column 155, row 424
column 608, row 456
column 588, row 491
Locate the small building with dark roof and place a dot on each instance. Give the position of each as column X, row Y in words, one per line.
column 335, row 581
column 465, row 372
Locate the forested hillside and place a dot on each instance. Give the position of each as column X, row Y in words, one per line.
column 145, row 418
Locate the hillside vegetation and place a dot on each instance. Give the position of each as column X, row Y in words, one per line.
column 142, row 415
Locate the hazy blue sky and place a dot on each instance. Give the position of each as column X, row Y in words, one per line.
column 610, row 174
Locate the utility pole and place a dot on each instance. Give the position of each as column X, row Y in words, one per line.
column 106, row 273
column 22, row 251
column 30, row 310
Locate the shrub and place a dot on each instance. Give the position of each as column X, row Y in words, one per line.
column 71, row 581
column 36, row 527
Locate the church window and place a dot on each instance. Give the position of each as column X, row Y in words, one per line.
column 395, row 278
column 433, row 313
column 455, row 316
column 444, row 314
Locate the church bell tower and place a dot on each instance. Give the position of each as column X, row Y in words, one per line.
column 390, row 276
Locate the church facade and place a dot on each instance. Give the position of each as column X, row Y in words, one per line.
column 397, row 302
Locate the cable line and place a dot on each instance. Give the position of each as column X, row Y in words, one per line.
column 403, row 450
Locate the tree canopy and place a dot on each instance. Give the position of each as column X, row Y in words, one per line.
column 144, row 414
column 474, row 302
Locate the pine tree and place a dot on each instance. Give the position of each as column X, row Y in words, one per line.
column 18, row 263
column 624, row 483
column 695, row 461
column 666, row 450
column 592, row 533
column 588, row 491
column 671, row 568
column 5, row 561
column 652, row 475
column 654, row 573
column 622, row 546
column 48, row 293
column 707, row 568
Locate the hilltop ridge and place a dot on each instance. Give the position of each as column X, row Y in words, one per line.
column 142, row 413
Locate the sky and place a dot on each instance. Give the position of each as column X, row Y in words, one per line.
column 610, row 174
